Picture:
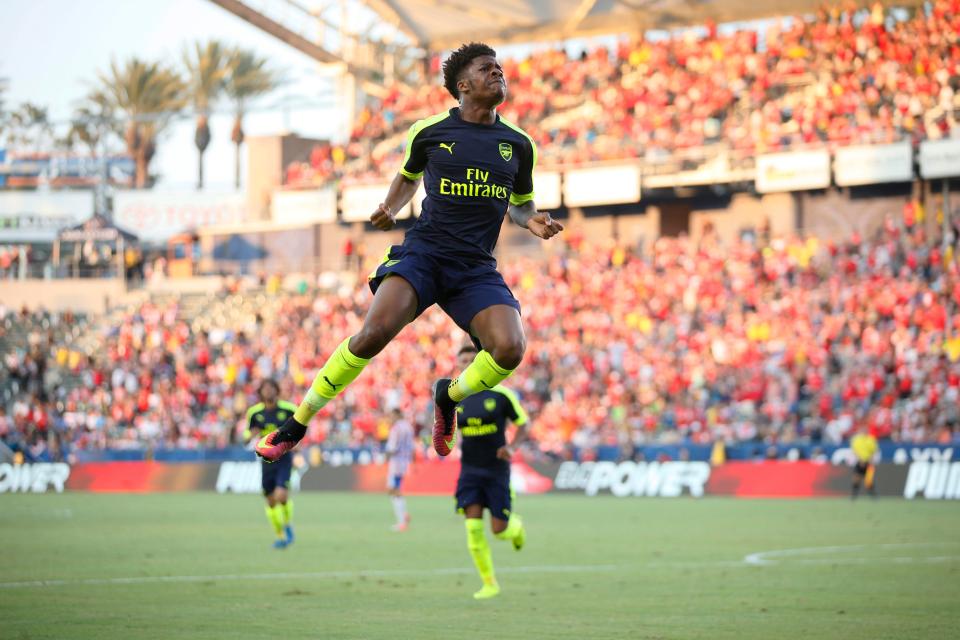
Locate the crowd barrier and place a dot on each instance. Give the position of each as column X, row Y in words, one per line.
column 936, row 477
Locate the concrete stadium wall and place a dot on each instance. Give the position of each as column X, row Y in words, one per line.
column 196, row 284
column 834, row 214
column 639, row 229
column 748, row 211
column 89, row 295
column 267, row 159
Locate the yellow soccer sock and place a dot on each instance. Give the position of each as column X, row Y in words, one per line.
column 275, row 516
column 483, row 373
column 279, row 513
column 480, row 550
column 340, row 369
column 287, row 511
column 514, row 527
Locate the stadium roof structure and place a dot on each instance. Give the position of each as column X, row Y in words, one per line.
column 393, row 35
column 444, row 24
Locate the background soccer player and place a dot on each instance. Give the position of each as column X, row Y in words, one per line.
column 264, row 418
column 476, row 167
column 484, row 480
column 400, row 445
column 865, row 448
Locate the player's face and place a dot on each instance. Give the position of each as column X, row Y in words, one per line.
column 465, row 358
column 485, row 79
column 268, row 393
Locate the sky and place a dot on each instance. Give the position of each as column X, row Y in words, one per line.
column 52, row 50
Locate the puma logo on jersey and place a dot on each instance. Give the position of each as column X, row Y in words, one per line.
column 332, row 385
column 448, row 146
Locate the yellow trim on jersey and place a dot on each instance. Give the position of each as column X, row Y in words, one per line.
column 522, row 416
column 533, row 145
column 518, row 199
column 415, row 129
column 254, row 409
column 257, row 408
column 386, row 258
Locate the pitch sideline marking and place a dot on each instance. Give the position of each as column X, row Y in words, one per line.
column 316, row 575
column 758, row 559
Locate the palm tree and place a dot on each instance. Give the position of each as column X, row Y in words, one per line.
column 83, row 130
column 29, row 125
column 148, row 94
column 248, row 78
column 206, row 71
column 92, row 121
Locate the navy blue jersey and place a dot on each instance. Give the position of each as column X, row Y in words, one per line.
column 259, row 417
column 482, row 421
column 470, row 172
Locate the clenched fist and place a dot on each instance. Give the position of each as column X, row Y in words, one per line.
column 382, row 218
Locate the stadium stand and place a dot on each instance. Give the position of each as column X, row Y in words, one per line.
column 876, row 75
column 772, row 341
column 791, row 340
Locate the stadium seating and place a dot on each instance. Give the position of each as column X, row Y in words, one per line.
column 793, row 340
column 843, row 78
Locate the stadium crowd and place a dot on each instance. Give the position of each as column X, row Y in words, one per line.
column 788, row 340
column 848, row 76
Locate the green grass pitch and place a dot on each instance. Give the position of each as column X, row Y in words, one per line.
column 200, row 566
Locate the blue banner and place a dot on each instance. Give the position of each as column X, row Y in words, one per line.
column 894, row 452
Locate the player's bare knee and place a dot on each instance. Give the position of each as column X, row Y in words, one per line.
column 509, row 354
column 498, row 526
column 370, row 340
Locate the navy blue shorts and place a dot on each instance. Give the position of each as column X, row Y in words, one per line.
column 461, row 290
column 488, row 489
column 276, row 474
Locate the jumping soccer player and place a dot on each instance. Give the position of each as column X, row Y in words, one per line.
column 400, row 455
column 484, row 480
column 263, row 418
column 864, row 448
column 476, row 167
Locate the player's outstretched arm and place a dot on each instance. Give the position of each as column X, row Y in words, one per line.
column 539, row 223
column 506, row 452
column 402, row 189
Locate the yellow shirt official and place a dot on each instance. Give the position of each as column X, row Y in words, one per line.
column 864, row 446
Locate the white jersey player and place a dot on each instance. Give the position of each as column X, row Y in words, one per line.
column 400, row 445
